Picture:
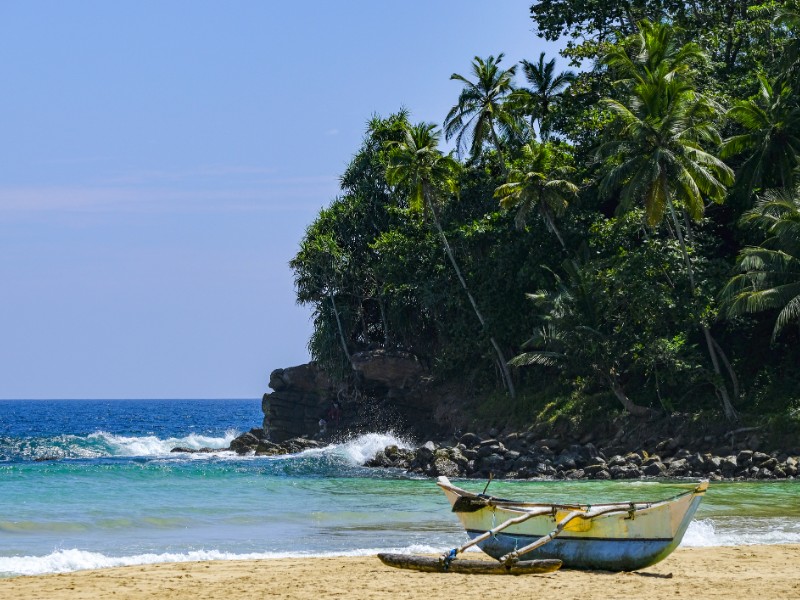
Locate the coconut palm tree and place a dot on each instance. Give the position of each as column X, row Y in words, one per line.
column 539, row 184
column 417, row 164
column 769, row 275
column 656, row 152
column 772, row 137
column 480, row 111
column 546, row 89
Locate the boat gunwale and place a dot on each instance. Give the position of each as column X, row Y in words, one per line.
column 512, row 505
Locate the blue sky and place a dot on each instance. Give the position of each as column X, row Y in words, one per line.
column 160, row 161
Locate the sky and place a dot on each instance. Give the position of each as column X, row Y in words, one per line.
column 160, row 161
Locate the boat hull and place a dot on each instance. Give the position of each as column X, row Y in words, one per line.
column 620, row 541
column 587, row 553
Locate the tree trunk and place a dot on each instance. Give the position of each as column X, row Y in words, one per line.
column 551, row 224
column 341, row 329
column 496, row 142
column 384, row 322
column 722, row 389
column 619, row 392
column 501, row 358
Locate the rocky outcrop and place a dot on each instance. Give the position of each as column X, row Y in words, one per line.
column 387, row 390
column 387, row 370
column 302, row 396
column 256, row 442
column 524, row 456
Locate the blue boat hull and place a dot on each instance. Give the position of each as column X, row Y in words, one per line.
column 584, row 553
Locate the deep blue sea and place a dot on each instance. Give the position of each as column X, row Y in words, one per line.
column 110, row 492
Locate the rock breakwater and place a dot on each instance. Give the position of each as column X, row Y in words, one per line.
column 523, row 456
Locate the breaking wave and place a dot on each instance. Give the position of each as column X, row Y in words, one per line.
column 65, row 561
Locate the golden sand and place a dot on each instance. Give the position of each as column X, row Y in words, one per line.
column 761, row 572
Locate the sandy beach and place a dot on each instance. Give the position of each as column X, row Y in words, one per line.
column 721, row 572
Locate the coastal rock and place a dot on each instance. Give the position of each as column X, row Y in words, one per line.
column 469, row 440
column 728, row 465
column 247, row 442
column 677, row 468
column 398, row 370
column 654, row 469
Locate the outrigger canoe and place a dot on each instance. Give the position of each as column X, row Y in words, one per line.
column 622, row 536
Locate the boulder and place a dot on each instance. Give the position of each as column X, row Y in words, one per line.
column 247, row 442
column 654, row 469
column 469, row 440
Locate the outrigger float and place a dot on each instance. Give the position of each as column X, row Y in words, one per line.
column 622, row 536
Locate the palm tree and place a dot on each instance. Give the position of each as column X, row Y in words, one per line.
column 480, row 110
column 657, row 150
column 576, row 334
column 418, row 164
column 540, row 184
column 769, row 277
column 772, row 137
column 546, row 90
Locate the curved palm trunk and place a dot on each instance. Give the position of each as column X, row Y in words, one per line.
column 500, row 357
column 342, row 339
column 496, row 142
column 633, row 408
column 551, row 223
column 722, row 390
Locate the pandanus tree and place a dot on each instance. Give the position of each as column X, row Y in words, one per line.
column 545, row 90
column 656, row 152
column 481, row 109
column 771, row 138
column 769, row 274
column 418, row 166
column 538, row 183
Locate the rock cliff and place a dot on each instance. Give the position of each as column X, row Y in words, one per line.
column 386, row 391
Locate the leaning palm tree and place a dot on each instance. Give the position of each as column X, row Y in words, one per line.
column 772, row 137
column 417, row 164
column 539, row 184
column 546, row 89
column 657, row 156
column 480, row 110
column 769, row 274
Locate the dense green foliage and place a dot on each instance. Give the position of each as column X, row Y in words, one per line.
column 627, row 234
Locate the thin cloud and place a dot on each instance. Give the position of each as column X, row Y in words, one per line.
column 278, row 195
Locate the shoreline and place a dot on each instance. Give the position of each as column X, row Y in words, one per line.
column 736, row 572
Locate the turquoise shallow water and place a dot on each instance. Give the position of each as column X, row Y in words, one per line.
column 117, row 496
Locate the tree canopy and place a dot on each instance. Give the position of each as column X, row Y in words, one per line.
column 623, row 235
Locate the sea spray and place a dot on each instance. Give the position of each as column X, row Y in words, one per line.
column 150, row 445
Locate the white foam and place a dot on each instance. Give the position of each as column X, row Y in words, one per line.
column 64, row 561
column 364, row 447
column 742, row 531
column 151, row 445
column 361, row 448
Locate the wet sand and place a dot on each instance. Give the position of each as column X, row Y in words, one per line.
column 766, row 572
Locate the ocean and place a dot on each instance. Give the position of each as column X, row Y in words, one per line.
column 92, row 483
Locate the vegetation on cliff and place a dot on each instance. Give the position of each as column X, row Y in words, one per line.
column 626, row 237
